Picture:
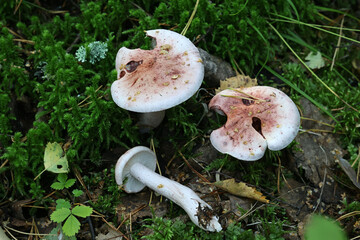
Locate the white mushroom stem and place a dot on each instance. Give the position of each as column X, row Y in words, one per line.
column 195, row 207
column 150, row 120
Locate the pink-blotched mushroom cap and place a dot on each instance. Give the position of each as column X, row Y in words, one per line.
column 157, row 79
column 269, row 119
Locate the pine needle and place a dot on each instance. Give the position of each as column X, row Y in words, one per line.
column 183, row 32
column 338, row 45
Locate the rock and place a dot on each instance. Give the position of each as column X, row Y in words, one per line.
column 318, row 149
column 216, row 69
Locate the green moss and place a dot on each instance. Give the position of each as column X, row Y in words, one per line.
column 69, row 99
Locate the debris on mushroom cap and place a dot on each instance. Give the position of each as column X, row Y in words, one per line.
column 257, row 118
column 157, row 79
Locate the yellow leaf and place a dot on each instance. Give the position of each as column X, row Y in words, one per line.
column 240, row 189
column 239, row 81
column 55, row 158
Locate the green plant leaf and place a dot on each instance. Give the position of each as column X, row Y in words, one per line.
column 77, row 192
column 55, row 158
column 59, row 215
column 315, row 61
column 70, row 182
column 320, row 228
column 62, row 203
column 62, row 177
column 71, row 226
column 82, row 211
column 56, row 233
column 57, row 186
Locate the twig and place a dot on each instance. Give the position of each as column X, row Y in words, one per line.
column 9, row 233
column 310, row 70
column 250, row 211
column 252, row 98
column 78, row 176
column 79, row 104
column 131, row 213
column 278, row 175
column 113, row 228
column 24, row 41
column 338, row 44
column 25, row 233
column 192, row 169
column 152, row 146
column 73, row 43
column 183, row 32
column 350, row 214
column 17, row 6
column 4, row 163
column 357, row 158
column 317, row 121
column 314, row 131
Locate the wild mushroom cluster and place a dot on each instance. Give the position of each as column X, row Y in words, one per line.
column 151, row 81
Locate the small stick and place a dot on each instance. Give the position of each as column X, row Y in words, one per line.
column 338, row 44
column 192, row 169
column 113, row 228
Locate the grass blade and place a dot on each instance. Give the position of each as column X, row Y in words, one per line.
column 293, row 86
column 310, row 70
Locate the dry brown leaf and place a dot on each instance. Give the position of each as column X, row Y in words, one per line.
column 238, row 81
column 240, row 189
column 350, row 172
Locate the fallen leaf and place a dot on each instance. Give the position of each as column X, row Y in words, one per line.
column 240, row 189
column 314, row 60
column 55, row 158
column 112, row 234
column 350, row 172
column 238, row 81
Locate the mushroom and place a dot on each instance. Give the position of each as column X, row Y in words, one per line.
column 257, row 118
column 151, row 81
column 135, row 170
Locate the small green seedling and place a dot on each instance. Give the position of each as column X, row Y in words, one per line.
column 63, row 182
column 67, row 215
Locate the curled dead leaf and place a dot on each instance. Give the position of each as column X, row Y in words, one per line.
column 239, row 81
column 240, row 189
column 350, row 172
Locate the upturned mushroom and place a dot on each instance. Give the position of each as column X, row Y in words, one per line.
column 135, row 169
column 151, row 81
column 257, row 118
